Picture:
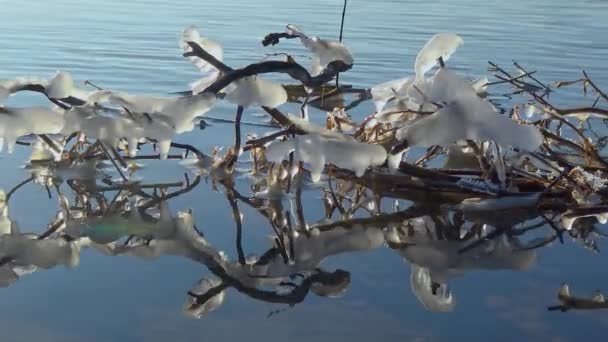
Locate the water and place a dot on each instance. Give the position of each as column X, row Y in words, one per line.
column 131, row 46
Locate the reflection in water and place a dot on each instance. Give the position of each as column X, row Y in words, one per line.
column 569, row 302
column 438, row 239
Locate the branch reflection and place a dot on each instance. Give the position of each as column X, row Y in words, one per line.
column 438, row 238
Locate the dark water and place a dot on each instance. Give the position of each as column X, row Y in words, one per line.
column 131, row 46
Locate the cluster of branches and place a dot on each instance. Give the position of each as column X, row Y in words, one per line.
column 571, row 153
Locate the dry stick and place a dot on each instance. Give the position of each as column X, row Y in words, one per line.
column 107, row 153
column 51, row 229
column 177, row 193
column 596, row 88
column 559, row 111
column 140, row 186
column 558, row 115
column 153, row 157
column 340, row 38
column 292, row 247
column 426, row 98
column 334, row 198
column 271, row 137
column 87, row 82
column 190, row 148
column 380, row 220
column 113, row 201
column 48, row 191
column 511, row 79
column 120, row 159
column 237, row 136
column 540, row 244
column 520, row 172
column 554, row 182
column 496, row 68
column 278, row 116
column 560, row 84
column 523, row 230
column 293, row 69
column 50, row 142
column 559, row 232
column 530, row 76
column 299, row 208
column 290, row 168
column 591, row 151
column 431, row 153
column 236, row 214
column 22, row 143
column 541, row 158
column 480, row 241
column 16, row 187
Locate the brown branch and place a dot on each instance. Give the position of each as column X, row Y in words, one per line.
column 595, row 87
column 237, row 137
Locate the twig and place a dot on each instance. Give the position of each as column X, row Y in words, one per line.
column 237, row 136
column 340, row 37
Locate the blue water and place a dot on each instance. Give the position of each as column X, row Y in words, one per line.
column 132, row 46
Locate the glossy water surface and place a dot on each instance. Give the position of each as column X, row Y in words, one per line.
column 131, row 46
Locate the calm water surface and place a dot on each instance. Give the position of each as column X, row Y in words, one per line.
column 131, row 46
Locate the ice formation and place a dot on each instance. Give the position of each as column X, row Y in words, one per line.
column 16, row 122
column 324, row 51
column 256, row 91
column 317, row 151
column 464, row 115
column 191, row 34
column 422, row 287
column 196, row 310
column 441, row 45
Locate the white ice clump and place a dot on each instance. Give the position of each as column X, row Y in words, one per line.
column 197, row 310
column 384, row 92
column 435, row 261
column 5, row 222
column 26, row 250
column 311, row 127
column 317, row 151
column 568, row 218
column 179, row 112
column 191, row 34
column 40, row 150
column 324, row 51
column 60, row 86
column 41, row 253
column 480, row 86
column 441, row 45
column 111, row 125
column 9, row 87
column 422, row 287
column 316, row 247
column 461, row 157
column 256, row 91
column 26, row 253
column 444, row 260
column 465, row 115
column 165, row 118
column 16, row 122
column 459, row 111
column 246, row 92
